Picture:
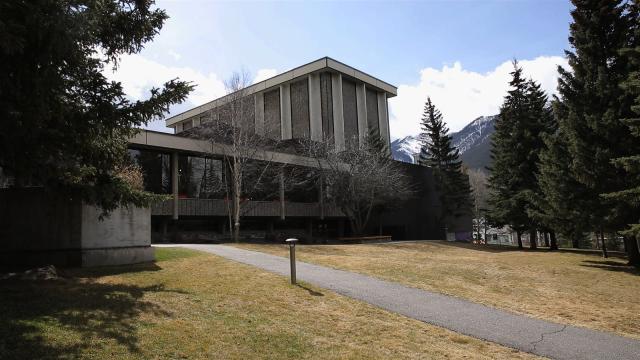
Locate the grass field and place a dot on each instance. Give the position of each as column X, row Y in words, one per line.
column 195, row 305
column 573, row 288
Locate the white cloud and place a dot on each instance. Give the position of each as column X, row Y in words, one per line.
column 176, row 56
column 139, row 74
column 463, row 95
column 264, row 74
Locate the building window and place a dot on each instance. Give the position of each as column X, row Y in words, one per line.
column 272, row 114
column 372, row 111
column 200, row 178
column 300, row 109
column 156, row 169
column 187, row 125
column 350, row 112
column 326, row 104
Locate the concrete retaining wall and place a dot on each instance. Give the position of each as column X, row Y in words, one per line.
column 40, row 228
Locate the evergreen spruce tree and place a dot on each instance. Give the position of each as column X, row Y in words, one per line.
column 540, row 124
column 438, row 154
column 507, row 205
column 631, row 164
column 64, row 125
column 595, row 102
column 560, row 195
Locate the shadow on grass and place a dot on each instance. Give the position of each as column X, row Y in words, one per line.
column 61, row 318
column 311, row 291
column 96, row 272
column 611, row 266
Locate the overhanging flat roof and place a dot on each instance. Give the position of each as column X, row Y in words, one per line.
column 320, row 64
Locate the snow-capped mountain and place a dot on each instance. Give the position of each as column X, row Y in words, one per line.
column 406, row 149
column 473, row 142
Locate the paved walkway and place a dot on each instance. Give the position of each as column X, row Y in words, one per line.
column 516, row 331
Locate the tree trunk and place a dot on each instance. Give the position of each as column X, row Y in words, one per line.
column 519, row 236
column 604, row 246
column 554, row 242
column 532, row 239
column 546, row 239
column 633, row 253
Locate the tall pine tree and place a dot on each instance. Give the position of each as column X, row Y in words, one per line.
column 507, row 206
column 594, row 103
column 438, row 154
column 631, row 163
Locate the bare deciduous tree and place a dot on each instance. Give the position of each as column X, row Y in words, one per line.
column 231, row 131
column 360, row 180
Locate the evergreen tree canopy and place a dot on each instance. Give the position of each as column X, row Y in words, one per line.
column 507, row 206
column 593, row 102
column 64, row 125
column 438, row 154
column 631, row 163
column 525, row 117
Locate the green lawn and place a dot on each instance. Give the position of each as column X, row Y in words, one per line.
column 196, row 305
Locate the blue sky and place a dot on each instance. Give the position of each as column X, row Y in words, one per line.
column 443, row 49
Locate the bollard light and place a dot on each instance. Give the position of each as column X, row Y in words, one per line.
column 292, row 258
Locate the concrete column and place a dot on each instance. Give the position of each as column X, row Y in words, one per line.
column 361, row 104
column 282, row 204
column 259, row 113
column 174, row 184
column 285, row 111
column 338, row 114
column 321, row 198
column 315, row 108
column 383, row 118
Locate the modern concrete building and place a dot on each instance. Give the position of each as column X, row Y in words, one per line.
column 322, row 100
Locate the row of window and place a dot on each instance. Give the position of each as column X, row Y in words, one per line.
column 300, row 117
column 204, row 178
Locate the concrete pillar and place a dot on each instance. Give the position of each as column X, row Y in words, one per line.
column 338, row 114
column 361, row 104
column 321, row 198
column 383, row 118
column 259, row 113
column 285, row 111
column 282, row 204
column 315, row 108
column 174, row 184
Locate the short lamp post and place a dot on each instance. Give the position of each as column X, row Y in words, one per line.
column 292, row 258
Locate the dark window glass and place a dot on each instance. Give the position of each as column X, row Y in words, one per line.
column 272, row 114
column 326, row 103
column 372, row 111
column 156, row 169
column 200, row 177
column 187, row 125
column 350, row 113
column 300, row 109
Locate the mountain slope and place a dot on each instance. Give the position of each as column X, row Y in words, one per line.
column 473, row 142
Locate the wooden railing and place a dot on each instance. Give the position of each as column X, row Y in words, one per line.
column 218, row 207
